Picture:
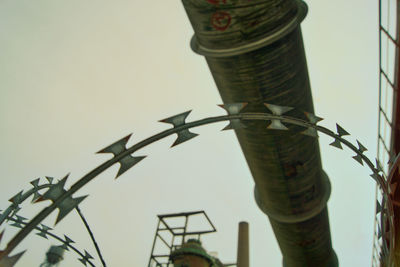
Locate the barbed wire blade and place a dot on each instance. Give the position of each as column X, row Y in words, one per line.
column 6, row 261
column 392, row 158
column 336, row 143
column 20, row 218
column 177, row 120
column 277, row 125
column 375, row 176
column 358, row 158
column 117, row 147
column 3, row 217
column 379, row 232
column 312, row 118
column 87, row 255
column 36, row 196
column 277, row 110
column 341, row 132
column 234, row 124
column 381, row 256
column 17, row 225
column 49, row 179
column 66, row 242
column 17, row 199
column 14, row 212
column 83, row 261
column 65, row 247
column 127, row 162
column 361, row 148
column 378, row 207
column 183, row 136
column 43, row 231
column 19, row 221
column 85, row 258
column 233, row 108
column 35, row 183
column 310, row 132
column 42, row 234
column 67, row 205
column 55, row 191
column 378, row 165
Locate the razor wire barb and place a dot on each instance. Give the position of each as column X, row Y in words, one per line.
column 44, row 231
column 20, row 197
column 62, row 199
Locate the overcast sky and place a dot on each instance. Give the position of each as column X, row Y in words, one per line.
column 76, row 76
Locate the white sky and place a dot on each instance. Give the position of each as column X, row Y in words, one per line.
column 75, row 76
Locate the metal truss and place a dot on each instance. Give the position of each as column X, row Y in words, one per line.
column 178, row 234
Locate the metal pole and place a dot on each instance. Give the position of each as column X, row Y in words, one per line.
column 243, row 245
column 255, row 52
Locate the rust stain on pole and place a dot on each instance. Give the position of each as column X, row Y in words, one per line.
column 254, row 49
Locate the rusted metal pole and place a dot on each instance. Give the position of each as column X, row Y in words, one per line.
column 254, row 49
column 243, row 245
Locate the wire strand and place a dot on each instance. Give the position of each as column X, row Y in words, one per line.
column 91, row 236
